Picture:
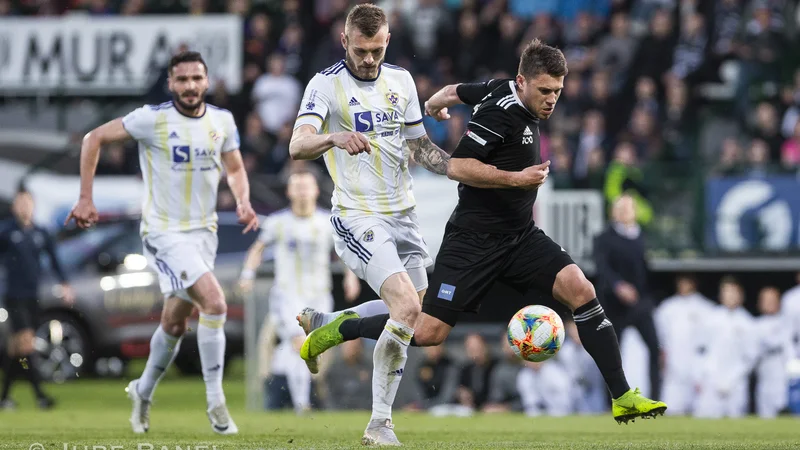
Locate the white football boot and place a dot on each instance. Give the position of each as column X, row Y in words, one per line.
column 221, row 421
column 380, row 432
column 140, row 416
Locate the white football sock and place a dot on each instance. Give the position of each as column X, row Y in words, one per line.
column 163, row 350
column 366, row 309
column 211, row 344
column 299, row 379
column 391, row 353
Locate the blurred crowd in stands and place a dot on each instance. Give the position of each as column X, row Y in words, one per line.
column 641, row 73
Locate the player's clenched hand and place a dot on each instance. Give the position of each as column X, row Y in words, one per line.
column 84, row 213
column 437, row 113
column 534, row 176
column 352, row 142
column 247, row 216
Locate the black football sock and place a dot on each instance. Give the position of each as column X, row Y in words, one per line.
column 29, row 368
column 9, row 371
column 600, row 341
column 365, row 327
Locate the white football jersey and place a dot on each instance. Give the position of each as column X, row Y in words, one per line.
column 303, row 248
column 386, row 110
column 180, row 159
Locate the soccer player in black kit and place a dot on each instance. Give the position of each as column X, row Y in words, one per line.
column 491, row 234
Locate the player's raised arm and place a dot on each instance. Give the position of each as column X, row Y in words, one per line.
column 485, row 132
column 457, row 94
column 84, row 211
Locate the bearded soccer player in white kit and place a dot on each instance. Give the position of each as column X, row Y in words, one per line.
column 358, row 114
column 184, row 145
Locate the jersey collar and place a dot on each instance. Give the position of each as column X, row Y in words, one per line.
column 205, row 109
column 366, row 80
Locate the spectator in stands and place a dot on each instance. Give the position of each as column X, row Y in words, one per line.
column 758, row 161
column 435, row 378
column 622, row 281
column 790, row 150
column 589, row 391
column 791, row 101
column 730, row 354
column 774, row 353
column 276, row 95
column 690, row 50
column 730, row 160
column 616, row 51
column 347, row 376
column 474, row 379
column 503, row 393
column 625, row 177
column 766, row 127
column 678, row 319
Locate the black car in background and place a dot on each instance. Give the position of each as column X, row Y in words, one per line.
column 118, row 302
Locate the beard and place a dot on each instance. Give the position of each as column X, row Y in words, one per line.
column 200, row 99
column 361, row 71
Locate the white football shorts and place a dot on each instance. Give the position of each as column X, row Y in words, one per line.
column 376, row 247
column 180, row 258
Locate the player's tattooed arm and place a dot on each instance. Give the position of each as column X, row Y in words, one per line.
column 428, row 155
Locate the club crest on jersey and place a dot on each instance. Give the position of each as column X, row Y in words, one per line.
column 215, row 136
column 369, row 236
column 393, row 98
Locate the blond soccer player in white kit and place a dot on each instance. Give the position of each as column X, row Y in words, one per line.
column 184, row 146
column 774, row 354
column 358, row 114
column 302, row 241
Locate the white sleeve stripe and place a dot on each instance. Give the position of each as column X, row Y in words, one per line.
column 490, row 131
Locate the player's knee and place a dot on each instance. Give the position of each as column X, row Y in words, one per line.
column 584, row 292
column 215, row 307
column 572, row 287
column 175, row 326
column 408, row 310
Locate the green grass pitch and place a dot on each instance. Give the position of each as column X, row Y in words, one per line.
column 93, row 415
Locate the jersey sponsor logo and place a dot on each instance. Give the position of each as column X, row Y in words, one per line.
column 446, row 292
column 527, row 140
column 364, row 122
column 368, row 120
column 475, row 137
column 181, row 154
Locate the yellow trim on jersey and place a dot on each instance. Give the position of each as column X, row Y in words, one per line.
column 186, row 217
column 344, row 107
column 162, row 133
column 399, row 200
column 414, row 124
column 206, row 187
column 382, row 196
column 148, row 204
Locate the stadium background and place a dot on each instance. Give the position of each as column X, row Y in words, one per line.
column 692, row 106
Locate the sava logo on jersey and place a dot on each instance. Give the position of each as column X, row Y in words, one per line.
column 366, row 121
column 182, row 155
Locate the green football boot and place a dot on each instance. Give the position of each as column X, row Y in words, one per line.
column 322, row 339
column 633, row 405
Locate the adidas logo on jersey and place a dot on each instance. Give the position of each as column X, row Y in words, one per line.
column 173, row 135
column 354, row 102
column 527, row 132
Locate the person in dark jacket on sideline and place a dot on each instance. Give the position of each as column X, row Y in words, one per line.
column 622, row 280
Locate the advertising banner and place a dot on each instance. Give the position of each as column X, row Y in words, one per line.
column 89, row 55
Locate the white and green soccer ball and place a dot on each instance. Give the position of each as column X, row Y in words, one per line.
column 536, row 333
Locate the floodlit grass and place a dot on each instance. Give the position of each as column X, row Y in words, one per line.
column 93, row 414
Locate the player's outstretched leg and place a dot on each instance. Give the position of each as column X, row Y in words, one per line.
column 211, row 345
column 600, row 341
column 164, row 347
column 311, row 319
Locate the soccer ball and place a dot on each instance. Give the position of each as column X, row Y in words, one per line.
column 536, row 333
